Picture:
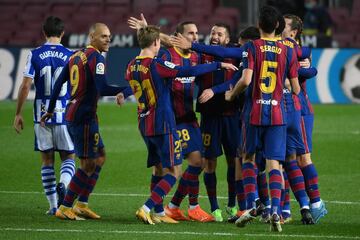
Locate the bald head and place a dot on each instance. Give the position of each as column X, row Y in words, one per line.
column 99, row 35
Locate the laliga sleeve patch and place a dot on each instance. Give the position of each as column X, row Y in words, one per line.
column 100, row 68
column 245, row 54
column 169, row 64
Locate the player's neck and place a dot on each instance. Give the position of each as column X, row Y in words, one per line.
column 267, row 35
column 146, row 52
column 53, row 40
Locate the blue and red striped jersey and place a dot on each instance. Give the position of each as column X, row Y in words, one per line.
column 86, row 74
column 306, row 107
column 271, row 62
column 182, row 88
column 150, row 81
column 217, row 104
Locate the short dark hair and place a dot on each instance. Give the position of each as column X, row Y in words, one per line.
column 296, row 24
column 180, row 26
column 147, row 35
column 281, row 25
column 53, row 26
column 268, row 19
column 250, row 33
column 223, row 25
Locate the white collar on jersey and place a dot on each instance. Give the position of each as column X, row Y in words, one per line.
column 57, row 44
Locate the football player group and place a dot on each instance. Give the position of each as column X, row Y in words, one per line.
column 252, row 102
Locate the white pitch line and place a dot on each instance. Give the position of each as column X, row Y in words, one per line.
column 223, row 234
column 147, row 195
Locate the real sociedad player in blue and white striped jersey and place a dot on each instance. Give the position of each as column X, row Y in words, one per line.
column 44, row 64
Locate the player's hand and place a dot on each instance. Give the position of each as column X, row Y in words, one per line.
column 206, row 95
column 18, row 123
column 228, row 66
column 229, row 95
column 135, row 23
column 45, row 118
column 180, row 41
column 120, row 99
column 305, row 63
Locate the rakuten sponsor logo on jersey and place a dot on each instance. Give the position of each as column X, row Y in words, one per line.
column 185, row 79
column 267, row 102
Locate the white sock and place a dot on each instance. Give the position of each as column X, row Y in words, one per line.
column 67, row 171
column 172, row 206
column 48, row 179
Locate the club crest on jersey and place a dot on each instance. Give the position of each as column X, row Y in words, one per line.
column 169, row 64
column 100, row 68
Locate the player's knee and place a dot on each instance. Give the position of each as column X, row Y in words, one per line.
column 88, row 166
column 195, row 159
column 304, row 160
column 210, row 165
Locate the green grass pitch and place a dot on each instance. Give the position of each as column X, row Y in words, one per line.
column 124, row 184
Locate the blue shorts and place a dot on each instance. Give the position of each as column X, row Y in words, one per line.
column 270, row 139
column 307, row 124
column 86, row 138
column 190, row 137
column 164, row 149
column 218, row 132
column 294, row 142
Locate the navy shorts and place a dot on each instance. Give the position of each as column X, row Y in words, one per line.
column 86, row 138
column 164, row 149
column 190, row 137
column 307, row 124
column 270, row 139
column 294, row 142
column 220, row 132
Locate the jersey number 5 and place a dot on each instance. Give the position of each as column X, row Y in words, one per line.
column 266, row 73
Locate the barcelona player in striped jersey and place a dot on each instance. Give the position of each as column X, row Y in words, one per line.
column 292, row 33
column 264, row 113
column 219, row 126
column 182, row 97
column 86, row 71
column 44, row 65
column 149, row 79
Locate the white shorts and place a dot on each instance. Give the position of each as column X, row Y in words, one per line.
column 52, row 137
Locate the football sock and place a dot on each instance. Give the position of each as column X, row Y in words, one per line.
column 240, row 195
column 263, row 188
column 297, row 184
column 181, row 190
column 286, row 204
column 90, row 184
column 311, row 183
column 48, row 179
column 193, row 184
column 210, row 184
column 160, row 190
column 231, row 186
column 275, row 184
column 158, row 208
column 67, row 170
column 76, row 186
column 249, row 181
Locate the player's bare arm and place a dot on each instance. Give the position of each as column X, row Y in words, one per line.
column 295, row 85
column 229, row 66
column 136, row 24
column 206, row 95
column 22, row 95
column 305, row 63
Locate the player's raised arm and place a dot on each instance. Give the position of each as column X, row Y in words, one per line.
column 219, row 51
column 170, row 70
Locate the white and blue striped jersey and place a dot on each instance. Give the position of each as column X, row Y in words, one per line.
column 44, row 65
